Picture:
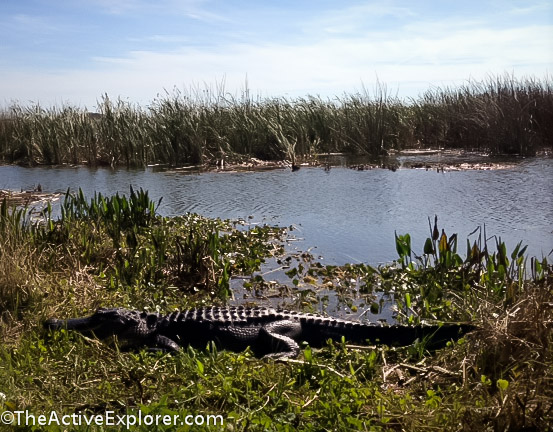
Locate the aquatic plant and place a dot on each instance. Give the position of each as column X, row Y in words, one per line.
column 502, row 114
column 128, row 247
column 440, row 283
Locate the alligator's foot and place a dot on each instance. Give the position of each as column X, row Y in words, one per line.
column 277, row 338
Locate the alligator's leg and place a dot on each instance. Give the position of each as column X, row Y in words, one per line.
column 164, row 344
column 278, row 338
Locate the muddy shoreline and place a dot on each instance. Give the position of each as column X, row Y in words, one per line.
column 426, row 159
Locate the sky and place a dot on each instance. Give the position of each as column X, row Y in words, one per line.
column 56, row 52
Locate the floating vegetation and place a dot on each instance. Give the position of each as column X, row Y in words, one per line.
column 501, row 115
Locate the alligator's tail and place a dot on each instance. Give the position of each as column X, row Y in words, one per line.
column 435, row 336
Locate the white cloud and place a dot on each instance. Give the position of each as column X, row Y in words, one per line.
column 118, row 7
column 195, row 9
column 163, row 39
column 31, row 24
column 412, row 57
column 530, row 9
column 355, row 19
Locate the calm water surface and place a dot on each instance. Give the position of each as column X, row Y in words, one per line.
column 345, row 215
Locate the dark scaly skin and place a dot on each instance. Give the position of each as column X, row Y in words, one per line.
column 268, row 332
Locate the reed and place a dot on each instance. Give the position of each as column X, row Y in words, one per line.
column 501, row 115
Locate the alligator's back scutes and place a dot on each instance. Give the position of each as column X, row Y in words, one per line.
column 237, row 315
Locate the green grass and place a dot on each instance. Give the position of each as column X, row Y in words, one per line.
column 116, row 251
column 501, row 115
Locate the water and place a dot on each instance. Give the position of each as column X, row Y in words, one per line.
column 345, row 215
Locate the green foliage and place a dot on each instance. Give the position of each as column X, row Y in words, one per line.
column 117, row 251
column 403, row 247
column 440, row 283
column 499, row 115
column 126, row 246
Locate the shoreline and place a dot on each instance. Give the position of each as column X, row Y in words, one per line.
column 442, row 160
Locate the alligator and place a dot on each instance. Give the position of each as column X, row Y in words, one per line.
column 268, row 332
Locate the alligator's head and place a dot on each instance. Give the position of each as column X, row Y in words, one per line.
column 130, row 327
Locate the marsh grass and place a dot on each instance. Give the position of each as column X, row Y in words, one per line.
column 502, row 115
column 496, row 378
column 122, row 247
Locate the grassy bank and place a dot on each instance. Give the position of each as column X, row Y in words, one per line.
column 107, row 251
column 500, row 115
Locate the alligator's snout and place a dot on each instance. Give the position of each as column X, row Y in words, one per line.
column 54, row 324
column 103, row 323
column 78, row 324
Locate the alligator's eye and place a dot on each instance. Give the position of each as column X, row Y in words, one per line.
column 151, row 320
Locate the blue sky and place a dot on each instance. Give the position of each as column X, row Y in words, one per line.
column 73, row 51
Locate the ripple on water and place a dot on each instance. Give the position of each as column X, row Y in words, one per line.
column 348, row 215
